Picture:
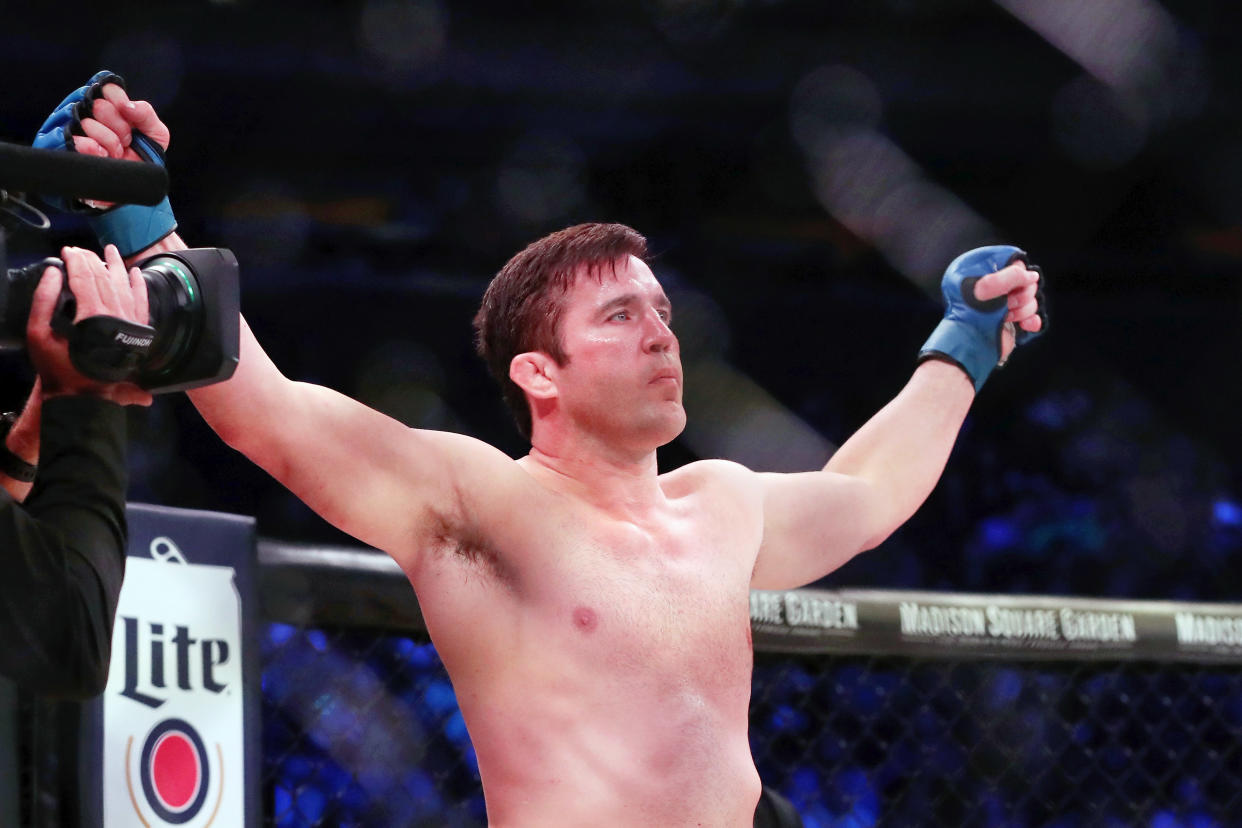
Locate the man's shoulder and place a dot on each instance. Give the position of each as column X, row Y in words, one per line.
column 709, row 474
column 465, row 453
column 712, row 469
column 471, row 474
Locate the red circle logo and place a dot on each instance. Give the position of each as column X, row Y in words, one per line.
column 174, row 771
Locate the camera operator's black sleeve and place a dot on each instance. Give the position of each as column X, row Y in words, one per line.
column 62, row 553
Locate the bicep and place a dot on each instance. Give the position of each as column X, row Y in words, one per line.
column 363, row 471
column 813, row 523
column 367, row 473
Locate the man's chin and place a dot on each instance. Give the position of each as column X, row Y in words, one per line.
column 656, row 426
column 673, row 424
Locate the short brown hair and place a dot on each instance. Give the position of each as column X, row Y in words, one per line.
column 521, row 309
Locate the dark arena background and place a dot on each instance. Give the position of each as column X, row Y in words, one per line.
column 803, row 170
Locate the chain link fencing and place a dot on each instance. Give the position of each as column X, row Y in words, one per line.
column 864, row 741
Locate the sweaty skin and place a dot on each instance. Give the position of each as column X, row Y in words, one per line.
column 602, row 660
column 593, row 614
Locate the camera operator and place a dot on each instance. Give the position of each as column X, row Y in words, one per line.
column 62, row 549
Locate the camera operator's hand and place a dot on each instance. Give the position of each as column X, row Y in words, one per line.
column 100, row 289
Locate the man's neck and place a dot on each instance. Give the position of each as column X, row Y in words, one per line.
column 619, row 484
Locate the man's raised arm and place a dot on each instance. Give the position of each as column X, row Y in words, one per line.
column 816, row 521
column 361, row 470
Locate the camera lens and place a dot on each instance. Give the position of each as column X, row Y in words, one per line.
column 175, row 301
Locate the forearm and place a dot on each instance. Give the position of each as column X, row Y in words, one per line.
column 236, row 408
column 63, row 555
column 254, row 406
column 902, row 450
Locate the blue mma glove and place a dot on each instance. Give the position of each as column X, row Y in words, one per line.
column 131, row 227
column 970, row 333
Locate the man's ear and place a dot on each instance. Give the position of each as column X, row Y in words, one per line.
column 535, row 373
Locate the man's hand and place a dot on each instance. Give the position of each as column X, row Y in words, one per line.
column 1020, row 286
column 100, row 289
column 993, row 302
column 99, row 119
column 113, row 119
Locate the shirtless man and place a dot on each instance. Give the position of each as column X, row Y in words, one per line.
column 604, row 667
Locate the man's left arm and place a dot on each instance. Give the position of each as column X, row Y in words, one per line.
column 816, row 521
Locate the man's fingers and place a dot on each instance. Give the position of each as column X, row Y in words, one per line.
column 138, row 289
column 1022, row 296
column 42, row 303
column 88, row 146
column 119, row 283
column 1003, row 281
column 105, row 288
column 1025, row 311
column 106, row 137
column 140, row 115
column 1032, row 324
column 116, row 95
column 82, row 281
column 145, row 120
column 109, row 300
column 105, row 112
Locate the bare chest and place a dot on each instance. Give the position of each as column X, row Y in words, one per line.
column 665, row 600
column 570, row 597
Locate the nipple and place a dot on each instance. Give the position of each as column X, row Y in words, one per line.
column 585, row 619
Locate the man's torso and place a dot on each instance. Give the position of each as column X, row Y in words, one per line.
column 602, row 665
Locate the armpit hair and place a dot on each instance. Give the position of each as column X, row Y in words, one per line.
column 456, row 533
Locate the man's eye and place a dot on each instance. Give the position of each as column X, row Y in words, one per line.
column 622, row 315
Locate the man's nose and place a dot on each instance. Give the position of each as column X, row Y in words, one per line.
column 660, row 337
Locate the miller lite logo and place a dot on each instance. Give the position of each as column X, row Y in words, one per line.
column 173, row 722
column 175, row 771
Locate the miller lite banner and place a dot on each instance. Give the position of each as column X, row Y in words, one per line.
column 178, row 739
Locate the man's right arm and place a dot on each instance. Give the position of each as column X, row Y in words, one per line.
column 357, row 468
column 364, row 472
